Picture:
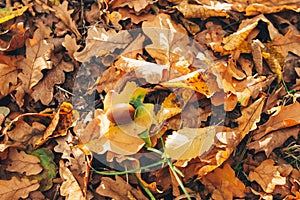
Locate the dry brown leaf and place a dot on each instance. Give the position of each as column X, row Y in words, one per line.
column 13, row 38
column 169, row 43
column 287, row 43
column 137, row 5
column 151, row 72
column 71, row 46
column 64, row 15
column 224, row 184
column 273, row 140
column 17, row 188
column 235, row 40
column 37, row 59
column 255, row 7
column 100, row 42
column 267, row 176
column 203, row 11
column 45, row 89
column 118, row 189
column 23, row 133
column 61, row 122
column 8, row 74
column 286, row 116
column 136, row 19
column 23, row 163
column 70, row 187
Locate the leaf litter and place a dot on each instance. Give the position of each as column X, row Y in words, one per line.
column 149, row 99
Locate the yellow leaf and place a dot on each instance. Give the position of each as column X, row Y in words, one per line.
column 7, row 14
column 188, row 143
column 203, row 11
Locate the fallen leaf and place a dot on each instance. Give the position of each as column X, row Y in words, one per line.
column 23, row 163
column 137, row 5
column 62, row 12
column 45, row 178
column 224, row 184
column 61, row 122
column 45, row 89
column 118, row 189
column 8, row 74
column 100, row 42
column 203, row 11
column 287, row 43
column 37, row 59
column 17, row 188
column 273, row 140
column 13, row 38
column 188, row 143
column 267, row 176
column 151, row 72
column 9, row 13
column 70, row 45
column 169, row 42
column 284, row 117
column 70, row 187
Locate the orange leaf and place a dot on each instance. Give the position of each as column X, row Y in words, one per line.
column 267, row 176
column 224, row 184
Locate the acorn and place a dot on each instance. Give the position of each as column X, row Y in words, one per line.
column 121, row 113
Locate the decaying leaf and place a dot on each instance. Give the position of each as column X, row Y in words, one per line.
column 267, row 176
column 17, row 188
column 224, row 184
column 118, row 189
column 12, row 12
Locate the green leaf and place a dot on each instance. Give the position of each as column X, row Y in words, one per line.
column 49, row 172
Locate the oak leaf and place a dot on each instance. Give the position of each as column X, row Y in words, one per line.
column 267, row 176
column 136, row 19
column 169, row 43
column 23, row 163
column 37, row 58
column 45, row 89
column 100, row 42
column 137, row 5
column 62, row 12
column 8, row 74
column 17, row 188
column 203, row 11
column 224, row 184
column 118, row 189
column 70, row 187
